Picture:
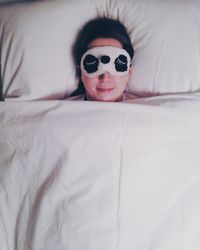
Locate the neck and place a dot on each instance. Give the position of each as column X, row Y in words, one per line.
column 89, row 98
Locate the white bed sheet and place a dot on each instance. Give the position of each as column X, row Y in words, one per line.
column 100, row 176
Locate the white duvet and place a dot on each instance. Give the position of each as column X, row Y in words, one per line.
column 100, row 176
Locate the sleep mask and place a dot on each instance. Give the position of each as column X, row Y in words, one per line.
column 98, row 60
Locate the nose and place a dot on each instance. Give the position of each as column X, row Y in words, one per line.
column 105, row 76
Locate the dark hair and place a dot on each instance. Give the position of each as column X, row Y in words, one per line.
column 100, row 27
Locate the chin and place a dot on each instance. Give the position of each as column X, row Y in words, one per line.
column 109, row 99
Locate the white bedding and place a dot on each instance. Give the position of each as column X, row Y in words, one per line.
column 100, row 176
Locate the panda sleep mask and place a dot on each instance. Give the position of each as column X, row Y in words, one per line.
column 98, row 60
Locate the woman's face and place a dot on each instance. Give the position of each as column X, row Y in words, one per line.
column 105, row 87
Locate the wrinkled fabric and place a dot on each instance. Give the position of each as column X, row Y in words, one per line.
column 100, row 176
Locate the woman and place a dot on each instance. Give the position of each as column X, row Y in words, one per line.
column 103, row 54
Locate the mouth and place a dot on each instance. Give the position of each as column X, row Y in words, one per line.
column 105, row 89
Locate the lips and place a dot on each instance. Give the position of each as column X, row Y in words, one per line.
column 105, row 89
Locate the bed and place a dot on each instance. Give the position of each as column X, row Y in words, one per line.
column 94, row 175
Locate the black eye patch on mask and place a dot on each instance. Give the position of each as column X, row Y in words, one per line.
column 91, row 63
column 121, row 63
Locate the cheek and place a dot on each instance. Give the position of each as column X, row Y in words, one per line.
column 89, row 83
column 122, row 81
column 84, row 79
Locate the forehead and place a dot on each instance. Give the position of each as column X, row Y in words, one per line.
column 105, row 42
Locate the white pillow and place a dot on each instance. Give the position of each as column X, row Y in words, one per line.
column 37, row 37
column 36, row 43
column 166, row 38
